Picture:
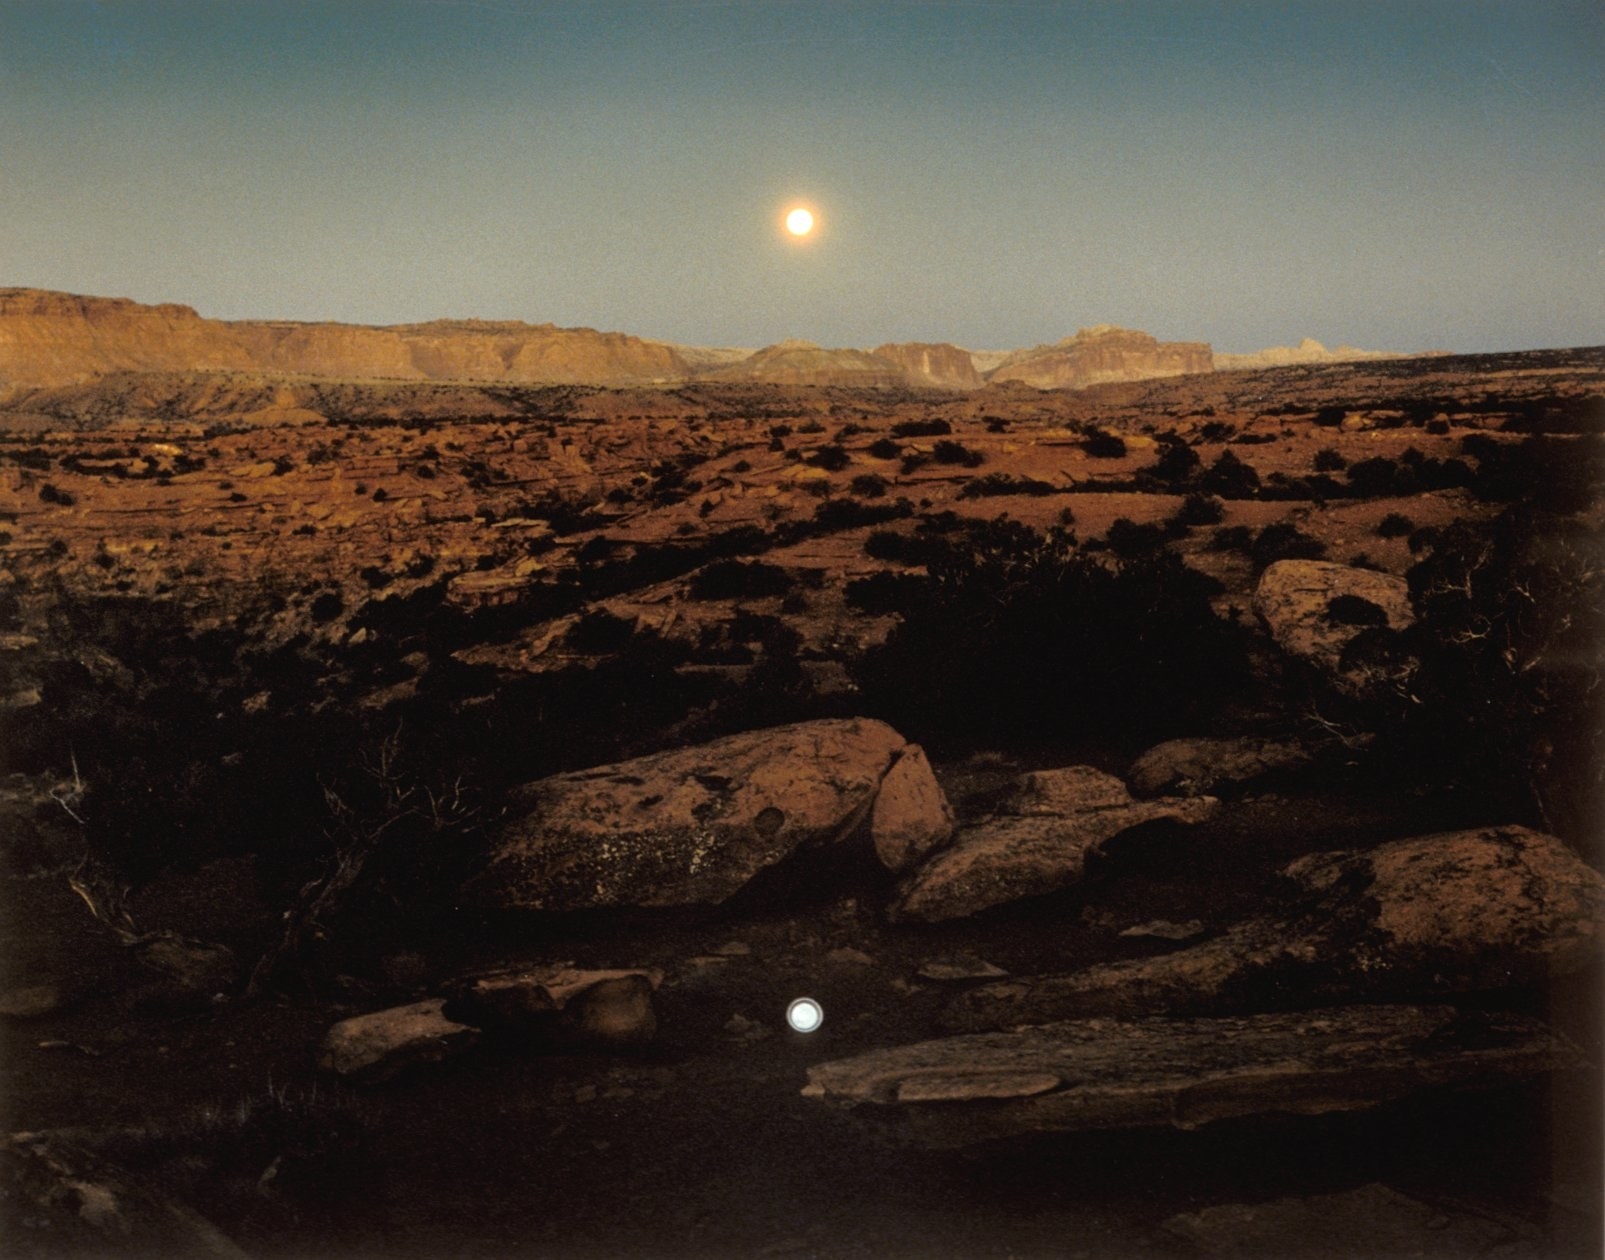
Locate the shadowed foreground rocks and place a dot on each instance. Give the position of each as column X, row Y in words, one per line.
column 694, row 825
column 1457, row 912
column 1112, row 1073
column 1039, row 842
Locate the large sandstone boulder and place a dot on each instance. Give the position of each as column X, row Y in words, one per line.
column 1456, row 912
column 1314, row 609
column 1127, row 1073
column 1039, row 843
column 911, row 816
column 692, row 825
column 1193, row 766
column 376, row 1047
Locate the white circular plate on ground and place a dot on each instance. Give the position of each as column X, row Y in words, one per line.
column 805, row 1015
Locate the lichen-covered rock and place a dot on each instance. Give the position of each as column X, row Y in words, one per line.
column 1306, row 605
column 1127, row 1073
column 1194, row 766
column 688, row 826
column 1456, row 912
column 1055, row 822
column 911, row 816
column 376, row 1047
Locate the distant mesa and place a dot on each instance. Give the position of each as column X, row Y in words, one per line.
column 1103, row 353
column 50, row 340
column 1308, row 350
column 804, row 363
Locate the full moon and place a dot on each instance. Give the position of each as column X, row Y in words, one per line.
column 799, row 222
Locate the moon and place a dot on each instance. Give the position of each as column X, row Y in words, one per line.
column 800, row 221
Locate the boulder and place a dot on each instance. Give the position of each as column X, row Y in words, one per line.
column 1194, row 766
column 1295, row 600
column 372, row 1048
column 1130, row 1073
column 1456, row 912
column 687, row 826
column 911, row 816
column 560, row 1004
column 1053, row 824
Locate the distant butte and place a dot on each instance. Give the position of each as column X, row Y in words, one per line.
column 50, row 339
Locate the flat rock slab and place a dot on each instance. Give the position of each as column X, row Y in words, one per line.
column 1371, row 1221
column 372, row 1048
column 1114, row 1073
column 1194, row 766
column 1411, row 920
column 684, row 827
column 1054, row 823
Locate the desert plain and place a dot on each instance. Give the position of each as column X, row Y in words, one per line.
column 435, row 757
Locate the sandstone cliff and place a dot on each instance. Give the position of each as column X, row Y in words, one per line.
column 804, row 363
column 939, row 366
column 1103, row 353
column 49, row 339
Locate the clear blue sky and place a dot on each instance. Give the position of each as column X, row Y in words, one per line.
column 1395, row 175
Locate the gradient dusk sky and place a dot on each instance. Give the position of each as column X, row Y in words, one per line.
column 1401, row 175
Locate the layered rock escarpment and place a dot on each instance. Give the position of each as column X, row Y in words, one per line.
column 804, row 363
column 939, row 365
column 51, row 339
column 1103, row 353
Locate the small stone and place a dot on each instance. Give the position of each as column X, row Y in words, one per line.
column 959, row 967
column 732, row 949
column 1165, row 930
column 585, row 1094
column 853, row 957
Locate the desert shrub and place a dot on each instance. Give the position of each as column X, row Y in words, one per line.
column 839, row 514
column 914, row 461
column 885, row 448
column 1395, row 525
column 740, row 579
column 1283, row 541
column 950, row 452
column 1507, row 696
column 1229, row 478
column 884, row 592
column 1015, row 636
column 994, row 484
column 1329, row 460
column 1330, row 417
column 1104, row 446
column 1559, row 475
column 1217, row 430
column 50, row 494
column 1177, row 462
column 869, row 485
column 1232, row 538
column 936, row 427
column 831, row 457
column 886, row 544
column 1200, row 509
column 1128, row 539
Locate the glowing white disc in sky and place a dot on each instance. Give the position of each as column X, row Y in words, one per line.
column 800, row 222
column 805, row 1015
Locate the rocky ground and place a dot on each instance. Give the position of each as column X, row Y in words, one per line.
column 1202, row 859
